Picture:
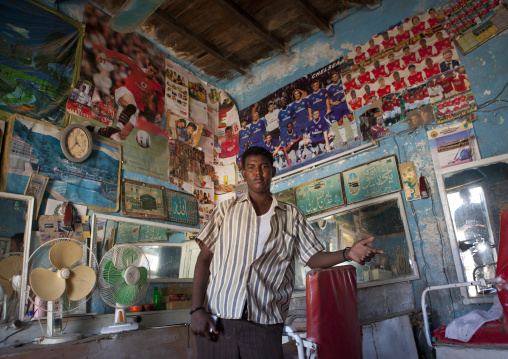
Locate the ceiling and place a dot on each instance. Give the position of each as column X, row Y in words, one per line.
column 223, row 38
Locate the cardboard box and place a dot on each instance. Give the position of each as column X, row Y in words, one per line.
column 183, row 304
column 167, row 291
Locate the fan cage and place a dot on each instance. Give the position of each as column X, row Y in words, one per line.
column 107, row 291
column 40, row 259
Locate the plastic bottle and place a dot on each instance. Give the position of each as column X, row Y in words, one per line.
column 157, row 299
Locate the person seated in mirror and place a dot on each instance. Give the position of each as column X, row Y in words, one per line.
column 470, row 220
column 17, row 243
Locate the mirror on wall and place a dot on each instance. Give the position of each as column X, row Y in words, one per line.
column 383, row 218
column 16, row 213
column 472, row 195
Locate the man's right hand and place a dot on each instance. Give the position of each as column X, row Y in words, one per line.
column 201, row 323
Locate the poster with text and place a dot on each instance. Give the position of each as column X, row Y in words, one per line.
column 177, row 91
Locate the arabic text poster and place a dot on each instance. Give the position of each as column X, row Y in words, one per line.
column 371, row 180
column 321, row 195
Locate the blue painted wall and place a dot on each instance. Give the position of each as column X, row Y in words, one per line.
column 486, row 68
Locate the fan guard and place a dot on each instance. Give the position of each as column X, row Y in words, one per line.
column 113, row 286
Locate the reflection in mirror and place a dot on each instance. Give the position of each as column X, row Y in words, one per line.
column 16, row 213
column 474, row 197
column 171, row 250
column 383, row 218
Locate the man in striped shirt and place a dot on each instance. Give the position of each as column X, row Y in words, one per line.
column 245, row 271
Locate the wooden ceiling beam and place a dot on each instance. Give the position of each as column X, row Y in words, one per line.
column 252, row 24
column 179, row 27
column 317, row 19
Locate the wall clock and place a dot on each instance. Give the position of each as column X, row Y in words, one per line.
column 76, row 142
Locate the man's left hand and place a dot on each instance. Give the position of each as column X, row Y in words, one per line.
column 362, row 252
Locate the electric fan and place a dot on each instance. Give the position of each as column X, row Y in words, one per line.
column 11, row 267
column 123, row 281
column 62, row 272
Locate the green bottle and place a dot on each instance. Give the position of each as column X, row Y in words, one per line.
column 157, row 299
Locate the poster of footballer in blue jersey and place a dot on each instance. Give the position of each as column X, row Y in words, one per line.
column 302, row 122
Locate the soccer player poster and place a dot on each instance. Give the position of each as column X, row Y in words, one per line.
column 404, row 55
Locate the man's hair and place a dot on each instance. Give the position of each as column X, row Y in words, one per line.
column 18, row 238
column 152, row 63
column 243, row 120
column 464, row 193
column 412, row 67
column 271, row 103
column 181, row 120
column 229, row 128
column 407, row 47
column 192, row 125
column 255, row 150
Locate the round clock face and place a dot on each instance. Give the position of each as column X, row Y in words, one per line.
column 76, row 143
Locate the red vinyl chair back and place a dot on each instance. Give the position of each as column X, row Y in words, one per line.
column 332, row 313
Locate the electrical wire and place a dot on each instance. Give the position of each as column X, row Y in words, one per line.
column 20, row 330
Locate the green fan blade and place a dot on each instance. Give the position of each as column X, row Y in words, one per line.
column 129, row 256
column 143, row 277
column 125, row 294
column 112, row 275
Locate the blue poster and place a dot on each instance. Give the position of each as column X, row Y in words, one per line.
column 318, row 196
column 371, row 180
column 181, row 207
column 35, row 148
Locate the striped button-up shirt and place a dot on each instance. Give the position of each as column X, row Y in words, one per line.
column 237, row 277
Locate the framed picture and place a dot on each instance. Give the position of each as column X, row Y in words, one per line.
column 35, row 188
column 321, row 195
column 372, row 179
column 142, row 200
column 5, row 245
column 181, row 207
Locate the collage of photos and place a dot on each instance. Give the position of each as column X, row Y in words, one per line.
column 371, row 122
column 177, row 92
column 403, row 56
column 397, row 105
column 450, row 95
column 306, row 119
column 89, row 102
column 187, row 163
column 184, row 130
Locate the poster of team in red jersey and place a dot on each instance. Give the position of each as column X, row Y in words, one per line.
column 397, row 60
column 451, row 95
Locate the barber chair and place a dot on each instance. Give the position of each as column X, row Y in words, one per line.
column 493, row 335
column 333, row 327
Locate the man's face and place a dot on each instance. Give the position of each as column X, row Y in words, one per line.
column 229, row 133
column 151, row 71
column 348, row 77
column 244, row 124
column 391, row 57
column 376, row 65
column 315, row 86
column 353, row 95
column 84, row 89
column 359, row 50
column 429, row 62
column 379, row 121
column 381, row 82
column 412, row 71
column 400, row 29
column 190, row 130
column 415, row 119
column 270, row 107
column 335, row 78
column 15, row 247
column 406, row 51
column 448, row 56
column 268, row 139
column 439, row 36
column 315, row 115
column 258, row 173
column 367, row 89
column 432, row 13
column 362, row 71
column 297, row 95
column 255, row 116
column 423, row 43
column 371, row 43
column 385, row 36
column 283, row 102
column 180, row 124
column 416, row 21
column 396, row 76
column 290, row 127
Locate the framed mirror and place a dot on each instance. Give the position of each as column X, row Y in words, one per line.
column 384, row 218
column 472, row 195
column 16, row 212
